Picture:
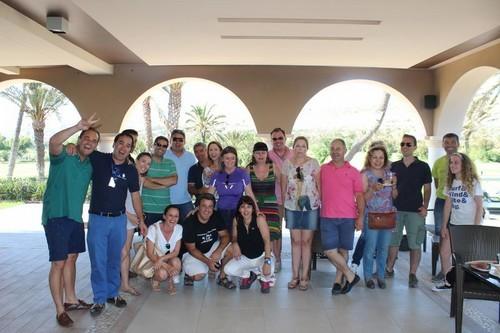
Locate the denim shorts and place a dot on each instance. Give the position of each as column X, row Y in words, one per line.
column 64, row 236
column 302, row 219
column 337, row 233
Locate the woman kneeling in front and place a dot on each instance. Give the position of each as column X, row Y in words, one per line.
column 163, row 246
column 251, row 247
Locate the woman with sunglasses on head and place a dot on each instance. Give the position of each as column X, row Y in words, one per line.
column 300, row 188
column 463, row 205
column 379, row 191
column 142, row 164
column 251, row 247
column 214, row 151
column 230, row 183
column 166, row 236
column 264, row 177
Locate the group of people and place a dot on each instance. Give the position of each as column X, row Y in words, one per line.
column 233, row 229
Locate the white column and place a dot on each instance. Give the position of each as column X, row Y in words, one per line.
column 106, row 142
column 435, row 151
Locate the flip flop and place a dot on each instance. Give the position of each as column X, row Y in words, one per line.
column 132, row 291
column 155, row 285
column 81, row 305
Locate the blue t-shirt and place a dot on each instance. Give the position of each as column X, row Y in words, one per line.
column 109, row 195
column 230, row 187
column 179, row 192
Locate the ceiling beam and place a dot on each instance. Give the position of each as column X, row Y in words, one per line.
column 70, row 54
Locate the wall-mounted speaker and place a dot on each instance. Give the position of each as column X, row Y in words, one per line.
column 430, row 101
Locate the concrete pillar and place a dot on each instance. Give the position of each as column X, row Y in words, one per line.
column 435, row 151
column 106, row 142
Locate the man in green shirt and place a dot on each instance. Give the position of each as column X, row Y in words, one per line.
column 156, row 189
column 69, row 178
column 440, row 173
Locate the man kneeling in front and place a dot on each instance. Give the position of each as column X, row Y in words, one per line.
column 206, row 239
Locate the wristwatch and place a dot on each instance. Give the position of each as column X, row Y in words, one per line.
column 267, row 261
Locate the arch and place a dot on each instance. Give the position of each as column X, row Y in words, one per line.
column 451, row 117
column 394, row 92
column 141, row 97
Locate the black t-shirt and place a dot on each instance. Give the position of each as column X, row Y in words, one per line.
column 195, row 175
column 204, row 235
column 409, row 184
column 106, row 197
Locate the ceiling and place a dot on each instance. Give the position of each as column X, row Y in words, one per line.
column 377, row 33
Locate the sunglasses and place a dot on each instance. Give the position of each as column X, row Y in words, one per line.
column 167, row 246
column 407, row 144
column 159, row 145
column 300, row 175
column 178, row 139
column 278, row 138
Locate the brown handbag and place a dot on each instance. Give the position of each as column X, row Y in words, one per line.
column 385, row 220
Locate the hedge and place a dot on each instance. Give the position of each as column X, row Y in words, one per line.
column 22, row 189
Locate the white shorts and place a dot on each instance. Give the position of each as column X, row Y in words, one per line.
column 193, row 266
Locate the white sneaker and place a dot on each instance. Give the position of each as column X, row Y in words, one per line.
column 441, row 287
column 354, row 268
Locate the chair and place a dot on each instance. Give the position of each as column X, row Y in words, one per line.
column 468, row 243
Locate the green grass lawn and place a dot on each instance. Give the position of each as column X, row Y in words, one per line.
column 8, row 204
column 22, row 169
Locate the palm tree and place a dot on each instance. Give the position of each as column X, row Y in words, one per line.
column 364, row 139
column 18, row 97
column 480, row 110
column 204, row 122
column 146, row 110
column 174, row 92
column 42, row 100
column 243, row 141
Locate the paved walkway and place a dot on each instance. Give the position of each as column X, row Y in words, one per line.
column 26, row 305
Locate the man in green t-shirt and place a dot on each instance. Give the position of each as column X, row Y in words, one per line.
column 67, row 185
column 440, row 173
column 161, row 176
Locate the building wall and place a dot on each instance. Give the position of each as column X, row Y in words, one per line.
column 456, row 84
column 274, row 95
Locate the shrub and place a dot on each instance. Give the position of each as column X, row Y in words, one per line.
column 22, row 189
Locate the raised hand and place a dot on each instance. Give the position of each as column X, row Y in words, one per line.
column 85, row 124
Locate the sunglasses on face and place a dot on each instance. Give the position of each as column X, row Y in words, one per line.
column 300, row 175
column 278, row 138
column 159, row 145
column 178, row 139
column 407, row 144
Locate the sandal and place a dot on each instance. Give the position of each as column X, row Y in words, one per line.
column 304, row 285
column 81, row 305
column 226, row 283
column 155, row 285
column 293, row 283
column 132, row 291
column 171, row 288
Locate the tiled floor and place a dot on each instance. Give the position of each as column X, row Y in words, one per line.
column 26, row 305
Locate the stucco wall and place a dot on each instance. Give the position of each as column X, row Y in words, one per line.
column 274, row 95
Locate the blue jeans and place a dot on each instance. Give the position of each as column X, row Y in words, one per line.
column 438, row 215
column 105, row 239
column 376, row 240
column 360, row 248
column 184, row 209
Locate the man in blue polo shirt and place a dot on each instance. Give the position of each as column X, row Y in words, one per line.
column 111, row 178
column 412, row 175
column 69, row 178
column 183, row 159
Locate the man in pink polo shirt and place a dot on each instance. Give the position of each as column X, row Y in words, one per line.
column 342, row 210
column 278, row 155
